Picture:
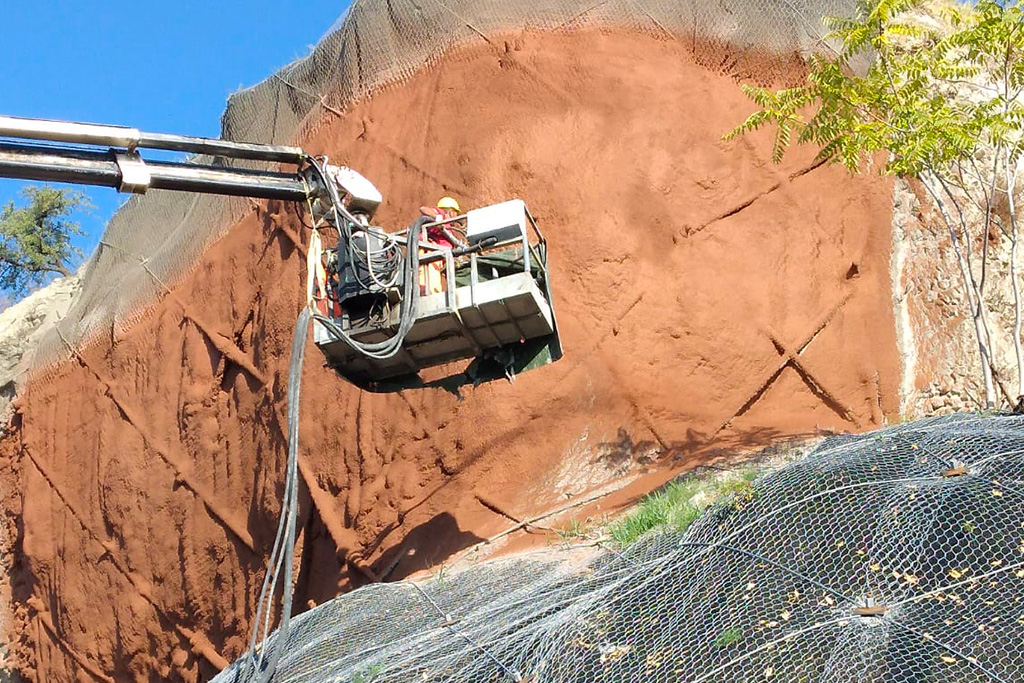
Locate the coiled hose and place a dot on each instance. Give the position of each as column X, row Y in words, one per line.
column 410, row 299
column 377, row 261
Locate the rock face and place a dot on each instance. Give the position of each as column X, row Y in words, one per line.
column 21, row 326
column 941, row 370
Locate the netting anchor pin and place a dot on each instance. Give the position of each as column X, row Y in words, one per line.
column 870, row 611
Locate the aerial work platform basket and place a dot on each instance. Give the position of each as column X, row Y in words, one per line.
column 492, row 303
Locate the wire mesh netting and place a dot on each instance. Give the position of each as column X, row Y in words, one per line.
column 895, row 556
column 155, row 240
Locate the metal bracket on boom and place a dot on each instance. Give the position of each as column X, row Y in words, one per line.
column 109, row 156
column 135, row 177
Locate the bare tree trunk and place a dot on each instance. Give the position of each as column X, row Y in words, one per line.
column 1011, row 182
column 931, row 183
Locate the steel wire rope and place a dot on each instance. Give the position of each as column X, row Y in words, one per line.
column 777, row 565
column 704, row 548
column 721, row 543
column 819, row 494
column 948, row 648
column 994, row 483
column 934, row 509
column 892, row 501
column 770, row 645
column 837, row 662
column 942, row 589
column 449, row 624
column 996, row 456
column 659, row 563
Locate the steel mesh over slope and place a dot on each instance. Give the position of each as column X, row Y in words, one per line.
column 895, row 556
column 157, row 239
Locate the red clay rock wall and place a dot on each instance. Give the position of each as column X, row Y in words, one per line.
column 705, row 297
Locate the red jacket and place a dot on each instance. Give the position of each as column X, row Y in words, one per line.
column 436, row 234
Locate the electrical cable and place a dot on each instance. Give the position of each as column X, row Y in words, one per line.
column 386, row 260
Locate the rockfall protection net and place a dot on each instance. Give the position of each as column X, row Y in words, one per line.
column 157, row 239
column 895, row 556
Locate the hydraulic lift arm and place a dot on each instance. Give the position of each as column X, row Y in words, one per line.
column 74, row 153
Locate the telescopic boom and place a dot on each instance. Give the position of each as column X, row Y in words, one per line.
column 70, row 152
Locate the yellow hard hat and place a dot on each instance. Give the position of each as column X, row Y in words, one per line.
column 449, row 203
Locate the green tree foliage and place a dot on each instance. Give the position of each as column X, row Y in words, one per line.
column 35, row 239
column 899, row 105
column 938, row 100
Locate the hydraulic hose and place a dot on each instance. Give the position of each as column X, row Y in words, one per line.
column 282, row 556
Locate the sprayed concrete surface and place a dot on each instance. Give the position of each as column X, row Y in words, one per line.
column 707, row 299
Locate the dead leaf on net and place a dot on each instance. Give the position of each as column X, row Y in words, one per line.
column 956, row 574
column 947, row 659
column 769, row 672
column 613, row 653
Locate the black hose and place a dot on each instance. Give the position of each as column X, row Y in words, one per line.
column 282, row 556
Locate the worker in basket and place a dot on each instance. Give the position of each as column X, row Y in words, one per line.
column 432, row 274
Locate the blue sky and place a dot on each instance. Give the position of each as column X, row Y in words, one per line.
column 165, row 67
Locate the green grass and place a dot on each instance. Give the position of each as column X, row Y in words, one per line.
column 678, row 504
column 368, row 675
column 729, row 636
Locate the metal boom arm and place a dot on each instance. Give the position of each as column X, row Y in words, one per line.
column 64, row 159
